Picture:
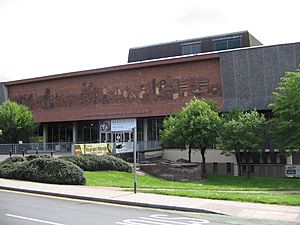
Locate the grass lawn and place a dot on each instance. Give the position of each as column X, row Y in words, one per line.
column 222, row 185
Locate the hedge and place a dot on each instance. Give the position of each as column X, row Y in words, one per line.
column 99, row 162
column 42, row 169
column 32, row 157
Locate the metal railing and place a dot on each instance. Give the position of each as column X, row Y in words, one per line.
column 28, row 148
column 66, row 147
column 145, row 146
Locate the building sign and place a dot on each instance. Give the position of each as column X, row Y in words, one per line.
column 94, row 149
column 292, row 170
column 123, row 125
column 124, row 147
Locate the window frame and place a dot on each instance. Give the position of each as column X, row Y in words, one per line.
column 226, row 40
column 191, row 50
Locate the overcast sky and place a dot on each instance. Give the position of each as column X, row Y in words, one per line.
column 45, row 37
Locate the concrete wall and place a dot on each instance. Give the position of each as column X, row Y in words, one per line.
column 249, row 76
column 3, row 93
column 212, row 156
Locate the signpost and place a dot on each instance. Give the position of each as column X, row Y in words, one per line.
column 134, row 160
column 123, row 125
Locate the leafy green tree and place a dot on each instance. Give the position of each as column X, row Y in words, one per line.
column 16, row 122
column 242, row 131
column 170, row 136
column 286, row 110
column 194, row 127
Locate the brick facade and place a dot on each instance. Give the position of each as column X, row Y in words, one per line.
column 134, row 90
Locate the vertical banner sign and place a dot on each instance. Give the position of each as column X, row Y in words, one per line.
column 123, row 125
column 104, row 125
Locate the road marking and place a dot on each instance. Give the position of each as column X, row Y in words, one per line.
column 32, row 219
column 161, row 219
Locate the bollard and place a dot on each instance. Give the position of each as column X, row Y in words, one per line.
column 37, row 151
column 23, row 152
column 10, row 152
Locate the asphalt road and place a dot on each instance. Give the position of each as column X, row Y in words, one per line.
column 24, row 209
column 29, row 209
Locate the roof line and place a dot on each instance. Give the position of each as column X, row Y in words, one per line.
column 129, row 66
column 188, row 40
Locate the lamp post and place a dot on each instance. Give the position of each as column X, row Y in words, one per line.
column 134, row 160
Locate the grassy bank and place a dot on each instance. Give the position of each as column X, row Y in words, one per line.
column 214, row 187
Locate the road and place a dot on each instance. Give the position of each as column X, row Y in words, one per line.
column 29, row 209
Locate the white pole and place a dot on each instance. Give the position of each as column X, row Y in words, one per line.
column 134, row 159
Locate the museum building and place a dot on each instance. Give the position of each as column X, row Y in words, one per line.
column 234, row 70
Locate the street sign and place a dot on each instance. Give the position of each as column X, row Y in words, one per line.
column 124, row 147
column 123, row 125
column 292, row 170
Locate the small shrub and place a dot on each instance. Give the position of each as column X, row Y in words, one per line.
column 99, row 162
column 13, row 159
column 77, row 160
column 32, row 157
column 53, row 171
column 7, row 170
column 43, row 169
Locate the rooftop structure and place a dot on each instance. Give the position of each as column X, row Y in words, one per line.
column 193, row 46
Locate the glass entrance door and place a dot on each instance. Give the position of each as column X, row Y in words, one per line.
column 116, row 137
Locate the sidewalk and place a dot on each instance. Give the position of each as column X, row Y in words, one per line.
column 117, row 196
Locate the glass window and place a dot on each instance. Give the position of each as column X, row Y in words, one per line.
column 191, row 48
column 228, row 167
column 234, row 43
column 227, row 44
column 215, row 167
column 220, row 45
column 154, row 127
column 140, row 129
column 87, row 132
column 60, row 132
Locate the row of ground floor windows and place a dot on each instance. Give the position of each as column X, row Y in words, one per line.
column 90, row 131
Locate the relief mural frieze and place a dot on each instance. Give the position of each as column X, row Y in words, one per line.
column 92, row 94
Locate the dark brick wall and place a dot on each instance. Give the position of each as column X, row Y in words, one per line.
column 137, row 91
column 296, row 158
column 3, row 93
column 263, row 170
column 220, row 168
column 174, row 171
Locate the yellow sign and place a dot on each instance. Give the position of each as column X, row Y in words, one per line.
column 94, row 149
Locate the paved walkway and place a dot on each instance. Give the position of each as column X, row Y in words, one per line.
column 118, row 196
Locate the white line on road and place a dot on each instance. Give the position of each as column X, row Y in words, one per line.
column 31, row 219
column 161, row 219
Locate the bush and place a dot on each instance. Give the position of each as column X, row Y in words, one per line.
column 77, row 160
column 32, row 157
column 47, row 170
column 99, row 162
column 13, row 159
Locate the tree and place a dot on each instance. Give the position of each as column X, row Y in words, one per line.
column 242, row 131
column 16, row 122
column 286, row 110
column 194, row 127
